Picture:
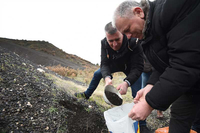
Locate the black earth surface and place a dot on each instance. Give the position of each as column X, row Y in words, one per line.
column 30, row 102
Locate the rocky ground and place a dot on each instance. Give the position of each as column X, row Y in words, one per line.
column 29, row 102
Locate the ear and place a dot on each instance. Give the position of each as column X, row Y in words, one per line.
column 137, row 11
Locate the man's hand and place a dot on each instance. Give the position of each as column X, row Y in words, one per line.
column 141, row 109
column 142, row 93
column 122, row 88
column 108, row 81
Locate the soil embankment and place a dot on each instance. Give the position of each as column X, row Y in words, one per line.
column 29, row 102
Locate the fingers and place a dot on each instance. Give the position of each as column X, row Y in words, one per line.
column 121, row 89
column 140, row 111
column 137, row 97
column 135, row 101
column 118, row 88
column 133, row 115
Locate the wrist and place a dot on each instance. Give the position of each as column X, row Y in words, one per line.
column 108, row 80
column 107, row 77
column 149, row 86
column 127, row 82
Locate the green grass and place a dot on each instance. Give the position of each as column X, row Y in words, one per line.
column 88, row 109
column 52, row 109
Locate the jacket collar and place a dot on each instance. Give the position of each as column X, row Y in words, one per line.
column 146, row 23
column 147, row 26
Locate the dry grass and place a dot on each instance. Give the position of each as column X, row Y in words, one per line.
column 80, row 75
column 63, row 71
column 86, row 76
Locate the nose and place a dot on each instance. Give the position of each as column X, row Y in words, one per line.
column 114, row 43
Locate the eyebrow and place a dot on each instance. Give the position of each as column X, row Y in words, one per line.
column 115, row 39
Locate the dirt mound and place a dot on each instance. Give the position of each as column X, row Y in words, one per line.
column 38, row 57
column 29, row 102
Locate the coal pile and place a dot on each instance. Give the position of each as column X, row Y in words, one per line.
column 29, row 102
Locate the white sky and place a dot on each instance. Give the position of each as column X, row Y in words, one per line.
column 75, row 26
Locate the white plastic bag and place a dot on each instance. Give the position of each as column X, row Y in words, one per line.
column 117, row 120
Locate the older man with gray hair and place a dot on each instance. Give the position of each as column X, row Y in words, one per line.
column 169, row 32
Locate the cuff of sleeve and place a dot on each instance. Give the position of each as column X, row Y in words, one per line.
column 129, row 84
column 108, row 77
column 152, row 104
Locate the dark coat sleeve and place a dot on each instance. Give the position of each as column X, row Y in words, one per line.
column 183, row 37
column 105, row 69
column 136, row 62
column 154, row 77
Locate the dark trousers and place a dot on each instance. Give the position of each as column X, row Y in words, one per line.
column 183, row 113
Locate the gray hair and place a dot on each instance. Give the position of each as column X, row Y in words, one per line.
column 124, row 10
column 110, row 29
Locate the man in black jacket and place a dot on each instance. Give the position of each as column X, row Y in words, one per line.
column 119, row 54
column 169, row 32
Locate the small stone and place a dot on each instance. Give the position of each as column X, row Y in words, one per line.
column 29, row 104
column 40, row 70
column 47, row 128
column 25, row 84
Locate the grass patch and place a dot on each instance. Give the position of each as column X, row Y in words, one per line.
column 83, row 75
column 53, row 109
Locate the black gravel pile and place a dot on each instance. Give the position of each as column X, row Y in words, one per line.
column 29, row 102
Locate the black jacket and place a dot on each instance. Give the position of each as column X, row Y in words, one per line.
column 172, row 46
column 129, row 59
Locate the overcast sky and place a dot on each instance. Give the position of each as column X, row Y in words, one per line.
column 75, row 26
